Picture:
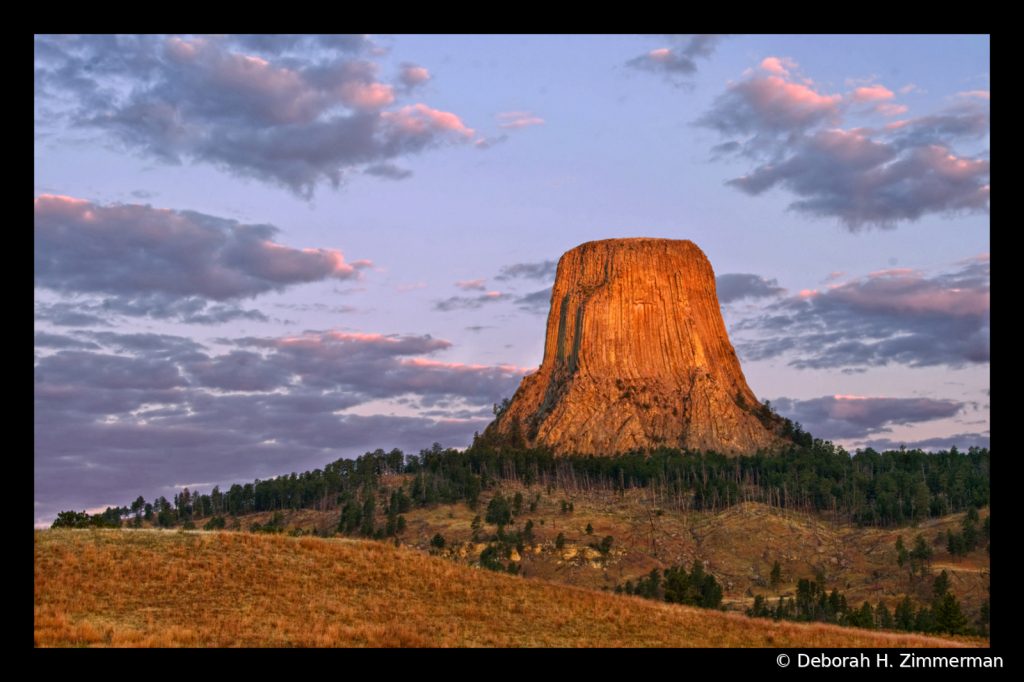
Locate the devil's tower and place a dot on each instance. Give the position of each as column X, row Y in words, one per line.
column 636, row 356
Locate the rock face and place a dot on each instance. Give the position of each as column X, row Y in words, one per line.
column 636, row 356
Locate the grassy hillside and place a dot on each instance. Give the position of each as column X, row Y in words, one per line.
column 150, row 588
column 739, row 545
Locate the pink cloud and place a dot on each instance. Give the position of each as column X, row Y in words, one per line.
column 778, row 101
column 367, row 95
column 980, row 94
column 413, row 75
column 889, row 109
column 285, row 264
column 778, row 66
column 871, row 94
column 897, row 272
column 906, row 292
column 407, row 287
column 419, row 119
column 477, row 284
column 518, row 119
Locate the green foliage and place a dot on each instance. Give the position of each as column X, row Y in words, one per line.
column 696, row 588
column 941, row 585
column 71, row 519
column 517, row 503
column 560, row 541
column 215, row 523
column 437, row 541
column 884, row 616
column 776, row 574
column 499, row 512
column 590, row 529
column 949, row 618
column 902, row 555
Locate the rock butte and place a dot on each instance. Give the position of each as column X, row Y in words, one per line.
column 636, row 356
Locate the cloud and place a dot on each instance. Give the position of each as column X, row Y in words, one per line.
column 488, row 142
column 871, row 93
column 118, row 415
column 735, row 286
column 860, row 176
column 538, row 302
column 472, row 285
column 680, row 59
column 980, row 94
column 512, row 120
column 962, row 441
column 388, row 170
column 470, row 303
column 897, row 316
column 779, row 67
column 61, row 342
column 152, row 260
column 853, row 417
column 413, row 75
column 297, row 116
column 545, row 270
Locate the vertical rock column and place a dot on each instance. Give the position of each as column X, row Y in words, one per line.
column 636, row 356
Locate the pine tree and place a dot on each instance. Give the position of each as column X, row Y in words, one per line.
column 902, row 555
column 884, row 617
column 904, row 615
column 776, row 574
column 867, row 617
column 922, row 552
column 590, row 529
column 949, row 617
column 941, row 585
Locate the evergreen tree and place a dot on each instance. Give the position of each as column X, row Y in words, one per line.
column 949, row 617
column 590, row 529
column 922, row 552
column 904, row 614
column 776, row 574
column 884, row 617
column 941, row 585
column 560, row 541
column 924, row 621
column 902, row 555
column 866, row 619
column 499, row 512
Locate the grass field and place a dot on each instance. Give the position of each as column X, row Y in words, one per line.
column 150, row 588
column 738, row 545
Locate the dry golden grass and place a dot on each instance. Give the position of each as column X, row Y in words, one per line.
column 124, row 588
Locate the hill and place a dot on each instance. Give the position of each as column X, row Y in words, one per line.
column 166, row 588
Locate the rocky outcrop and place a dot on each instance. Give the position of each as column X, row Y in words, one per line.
column 636, row 356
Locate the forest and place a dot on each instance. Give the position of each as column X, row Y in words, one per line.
column 890, row 489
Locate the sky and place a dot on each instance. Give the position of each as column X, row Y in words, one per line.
column 255, row 255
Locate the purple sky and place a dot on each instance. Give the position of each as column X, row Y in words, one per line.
column 254, row 255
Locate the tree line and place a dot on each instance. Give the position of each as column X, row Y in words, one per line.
column 891, row 488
